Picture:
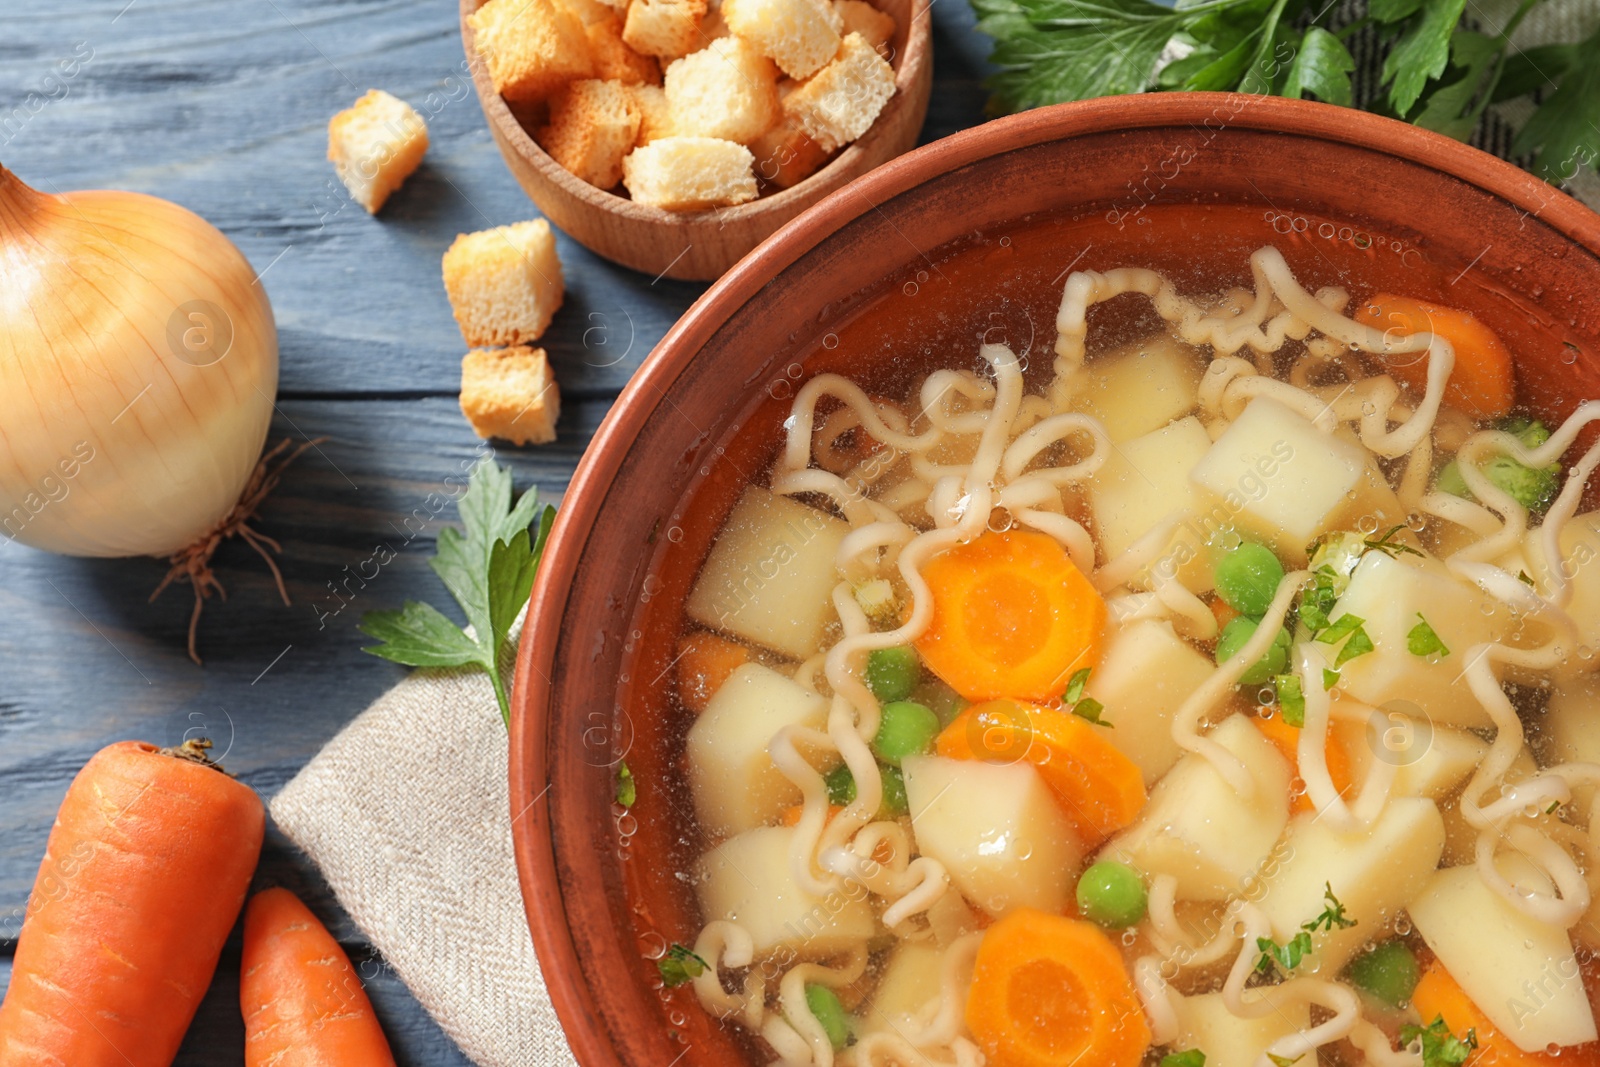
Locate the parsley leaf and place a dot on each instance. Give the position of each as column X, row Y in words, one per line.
column 1331, row 916
column 1423, row 641
column 1322, row 67
column 1189, row 1057
column 1291, row 699
column 1284, row 1061
column 1319, row 597
column 488, row 568
column 1359, row 644
column 1330, row 678
column 1421, row 52
column 680, row 965
column 1340, row 628
column 627, row 788
column 1082, row 706
column 1286, row 956
column 1388, row 546
column 1075, row 685
column 1440, row 1048
column 1565, row 131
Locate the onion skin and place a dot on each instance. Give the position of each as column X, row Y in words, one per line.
column 121, row 431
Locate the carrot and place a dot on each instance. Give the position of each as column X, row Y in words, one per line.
column 1439, row 996
column 143, row 877
column 1099, row 788
column 1048, row 991
column 1287, row 740
column 1012, row 617
column 704, row 663
column 1223, row 611
column 791, row 815
column 303, row 1005
column 1481, row 382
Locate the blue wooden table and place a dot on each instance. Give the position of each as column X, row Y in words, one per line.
column 222, row 106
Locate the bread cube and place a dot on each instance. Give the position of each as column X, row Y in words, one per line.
column 801, row 36
column 1197, row 829
column 510, row 393
column 655, row 116
column 590, row 12
column 713, row 27
column 735, row 785
column 1373, row 872
column 726, row 90
column 664, row 28
column 690, row 173
column 1204, row 1022
column 593, row 125
column 770, row 575
column 1145, row 480
column 614, row 60
column 749, row 880
column 1277, row 477
column 998, row 830
column 842, row 100
column 532, row 47
column 504, row 284
column 1520, row 972
column 1145, row 673
column 1139, row 388
column 785, row 156
column 375, row 145
column 857, row 16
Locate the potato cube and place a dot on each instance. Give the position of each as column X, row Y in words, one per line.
column 951, row 917
column 735, row 785
column 1430, row 760
column 1144, row 481
column 375, row 145
column 532, row 47
column 770, row 576
column 1197, row 829
column 504, row 284
column 1139, row 388
column 1572, row 731
column 1389, row 593
column 593, row 125
column 1204, row 1022
column 1520, row 972
column 1146, row 671
column 857, row 16
column 1275, row 476
column 726, row 90
column 749, row 880
column 690, row 173
column 664, row 28
column 1373, row 872
column 996, row 828
column 842, row 100
column 909, row 987
column 801, row 36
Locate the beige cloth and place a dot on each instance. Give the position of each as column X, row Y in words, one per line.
column 407, row 813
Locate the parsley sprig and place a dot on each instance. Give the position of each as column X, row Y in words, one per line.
column 680, row 965
column 1440, row 1047
column 1084, row 706
column 488, row 566
column 1287, row 956
column 1351, row 629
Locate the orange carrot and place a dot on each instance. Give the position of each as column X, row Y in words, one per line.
column 1224, row 611
column 1439, row 996
column 143, row 877
column 303, row 1005
column 1048, row 991
column 1100, row 790
column 1287, row 740
column 704, row 663
column 1481, row 382
column 791, row 815
column 1012, row 617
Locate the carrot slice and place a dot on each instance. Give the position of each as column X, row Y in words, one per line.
column 704, row 663
column 302, row 1002
column 1012, row 617
column 1481, row 382
column 1048, row 991
column 1439, row 996
column 1287, row 740
column 1099, row 789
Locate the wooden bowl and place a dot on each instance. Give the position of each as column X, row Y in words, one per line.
column 862, row 275
column 701, row 245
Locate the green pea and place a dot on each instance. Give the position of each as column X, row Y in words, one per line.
column 830, row 1013
column 1248, row 577
column 1112, row 895
column 906, row 729
column 841, row 785
column 892, row 673
column 1237, row 634
column 1388, row 971
column 894, row 803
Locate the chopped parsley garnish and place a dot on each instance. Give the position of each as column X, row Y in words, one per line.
column 1351, row 630
column 1330, row 678
column 1332, row 915
column 1388, row 546
column 1440, row 1048
column 1318, row 599
column 1189, row 1057
column 1423, row 640
column 1291, row 699
column 1284, row 1061
column 680, row 965
column 1287, row 957
column 1082, row 706
column 627, row 789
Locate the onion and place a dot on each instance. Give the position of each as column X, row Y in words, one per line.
column 138, row 368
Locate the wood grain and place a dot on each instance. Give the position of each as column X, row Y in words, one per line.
column 223, row 106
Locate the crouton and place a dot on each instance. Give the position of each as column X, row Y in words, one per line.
column 690, row 173
column 801, row 36
column 861, row 17
column 726, row 90
column 785, row 156
column 532, row 47
column 510, row 393
column 589, row 11
column 375, row 145
column 842, row 100
column 614, row 60
column 593, row 124
column 664, row 28
column 505, row 283
column 655, row 115
column 713, row 27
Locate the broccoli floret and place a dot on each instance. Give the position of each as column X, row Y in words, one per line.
column 1533, row 488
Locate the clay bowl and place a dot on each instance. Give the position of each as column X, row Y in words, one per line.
column 700, row 246
column 867, row 272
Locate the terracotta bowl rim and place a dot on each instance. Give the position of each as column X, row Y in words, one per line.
column 586, row 492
